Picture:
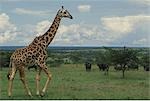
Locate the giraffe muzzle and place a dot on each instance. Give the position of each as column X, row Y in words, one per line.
column 71, row 17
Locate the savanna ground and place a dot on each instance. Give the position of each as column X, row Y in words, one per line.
column 71, row 82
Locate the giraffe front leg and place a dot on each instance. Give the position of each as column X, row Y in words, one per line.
column 45, row 69
column 37, row 82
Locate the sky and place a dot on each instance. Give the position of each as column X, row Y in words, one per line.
column 94, row 23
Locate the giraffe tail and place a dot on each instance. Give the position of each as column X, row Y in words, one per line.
column 9, row 72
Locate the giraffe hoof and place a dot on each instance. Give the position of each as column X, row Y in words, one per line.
column 42, row 94
column 38, row 95
column 30, row 95
column 9, row 96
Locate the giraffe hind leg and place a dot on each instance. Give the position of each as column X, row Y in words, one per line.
column 11, row 76
column 22, row 78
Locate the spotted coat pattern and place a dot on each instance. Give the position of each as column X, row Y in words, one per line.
column 35, row 54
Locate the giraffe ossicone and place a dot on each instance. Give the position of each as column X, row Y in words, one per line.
column 35, row 54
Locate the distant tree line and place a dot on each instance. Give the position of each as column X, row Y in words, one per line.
column 4, row 58
column 118, row 57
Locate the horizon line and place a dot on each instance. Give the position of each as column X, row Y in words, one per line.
column 77, row 46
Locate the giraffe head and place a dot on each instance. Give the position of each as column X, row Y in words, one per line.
column 64, row 13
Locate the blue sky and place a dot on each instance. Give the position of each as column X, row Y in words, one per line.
column 95, row 23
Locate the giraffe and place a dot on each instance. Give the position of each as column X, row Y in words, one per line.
column 35, row 54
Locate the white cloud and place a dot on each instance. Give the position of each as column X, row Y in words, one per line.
column 28, row 32
column 69, row 35
column 109, row 31
column 42, row 27
column 143, row 2
column 5, row 23
column 31, row 12
column 81, row 34
column 124, row 24
column 118, row 28
column 8, row 31
column 84, row 8
column 142, row 41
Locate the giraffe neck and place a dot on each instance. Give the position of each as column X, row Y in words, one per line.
column 50, row 34
column 44, row 40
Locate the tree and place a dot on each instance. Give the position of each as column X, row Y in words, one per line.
column 4, row 59
column 75, row 57
column 123, row 57
column 103, row 56
column 145, row 60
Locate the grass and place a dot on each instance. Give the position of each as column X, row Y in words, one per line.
column 70, row 82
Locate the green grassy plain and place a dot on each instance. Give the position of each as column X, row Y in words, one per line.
column 71, row 82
